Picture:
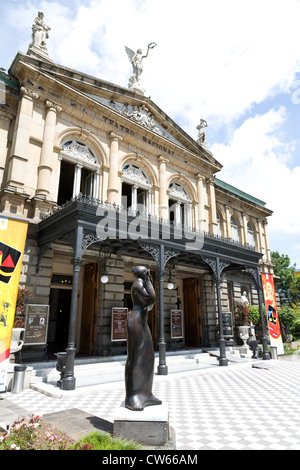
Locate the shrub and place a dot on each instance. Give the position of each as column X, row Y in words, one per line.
column 100, row 441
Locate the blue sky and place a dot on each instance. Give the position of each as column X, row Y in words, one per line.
column 234, row 63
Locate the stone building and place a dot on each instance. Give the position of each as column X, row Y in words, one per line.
column 108, row 181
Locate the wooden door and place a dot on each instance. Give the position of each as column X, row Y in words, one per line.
column 89, row 309
column 192, row 319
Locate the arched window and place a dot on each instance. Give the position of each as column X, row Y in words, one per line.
column 136, row 189
column 234, row 229
column 251, row 236
column 219, row 225
column 79, row 172
column 180, row 205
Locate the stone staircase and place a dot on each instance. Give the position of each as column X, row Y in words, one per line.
column 94, row 371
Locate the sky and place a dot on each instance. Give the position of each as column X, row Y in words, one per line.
column 234, row 63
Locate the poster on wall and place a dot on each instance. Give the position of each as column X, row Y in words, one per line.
column 227, row 324
column 36, row 324
column 118, row 324
column 12, row 242
column 272, row 312
column 176, row 324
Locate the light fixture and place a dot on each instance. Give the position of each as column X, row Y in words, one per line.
column 104, row 255
column 104, row 279
column 170, row 285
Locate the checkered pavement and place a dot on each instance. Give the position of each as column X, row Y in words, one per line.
column 248, row 409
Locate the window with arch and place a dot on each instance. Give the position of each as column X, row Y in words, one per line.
column 234, row 229
column 79, row 172
column 251, row 236
column 180, row 205
column 136, row 189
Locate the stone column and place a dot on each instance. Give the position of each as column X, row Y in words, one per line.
column 213, row 225
column 228, row 222
column 268, row 251
column 113, row 189
column 46, row 160
column 200, row 195
column 19, row 153
column 6, row 119
column 188, row 215
column 96, row 185
column 77, row 180
column 245, row 238
column 163, row 195
column 148, row 203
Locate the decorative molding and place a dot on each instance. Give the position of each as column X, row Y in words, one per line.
column 135, row 174
column 31, row 94
column 217, row 270
column 51, row 105
column 89, row 238
column 154, row 251
column 79, row 152
column 178, row 192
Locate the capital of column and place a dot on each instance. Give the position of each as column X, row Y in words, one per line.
column 115, row 137
column 210, row 181
column 162, row 159
column 28, row 93
column 5, row 115
column 200, row 177
column 53, row 106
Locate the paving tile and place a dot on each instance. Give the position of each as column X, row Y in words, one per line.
column 249, row 409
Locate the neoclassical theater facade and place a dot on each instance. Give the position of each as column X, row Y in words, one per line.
column 107, row 181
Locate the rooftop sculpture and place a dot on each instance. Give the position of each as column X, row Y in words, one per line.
column 136, row 59
column 40, row 33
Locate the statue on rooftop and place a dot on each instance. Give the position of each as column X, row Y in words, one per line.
column 136, row 60
column 40, row 32
column 202, row 134
column 139, row 367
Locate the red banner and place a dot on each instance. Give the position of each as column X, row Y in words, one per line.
column 272, row 312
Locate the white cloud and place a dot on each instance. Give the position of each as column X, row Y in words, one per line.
column 256, row 160
column 214, row 59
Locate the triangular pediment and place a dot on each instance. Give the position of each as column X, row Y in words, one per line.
column 119, row 101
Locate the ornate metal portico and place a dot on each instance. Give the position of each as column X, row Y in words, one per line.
column 86, row 221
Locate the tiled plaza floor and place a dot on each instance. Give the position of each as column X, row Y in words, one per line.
column 250, row 409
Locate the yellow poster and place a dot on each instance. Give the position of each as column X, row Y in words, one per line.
column 12, row 242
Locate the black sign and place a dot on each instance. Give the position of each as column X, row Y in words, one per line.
column 227, row 323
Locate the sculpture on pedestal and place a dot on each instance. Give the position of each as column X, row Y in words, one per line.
column 136, row 59
column 39, row 33
column 139, row 367
column 201, row 132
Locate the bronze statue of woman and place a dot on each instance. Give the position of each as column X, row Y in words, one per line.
column 140, row 359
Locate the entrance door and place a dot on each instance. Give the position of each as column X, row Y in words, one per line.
column 60, row 305
column 89, row 309
column 192, row 319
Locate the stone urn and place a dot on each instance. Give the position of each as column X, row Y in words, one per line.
column 244, row 334
column 16, row 344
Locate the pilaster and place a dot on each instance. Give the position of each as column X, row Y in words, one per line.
column 113, row 190
column 46, row 160
column 19, row 154
column 200, row 194
column 163, row 194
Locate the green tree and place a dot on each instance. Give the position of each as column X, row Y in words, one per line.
column 289, row 284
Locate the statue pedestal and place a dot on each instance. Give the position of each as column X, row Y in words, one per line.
column 149, row 427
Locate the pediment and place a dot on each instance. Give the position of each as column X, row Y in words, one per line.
column 119, row 101
column 139, row 114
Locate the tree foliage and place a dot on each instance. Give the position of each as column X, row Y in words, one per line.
column 289, row 284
